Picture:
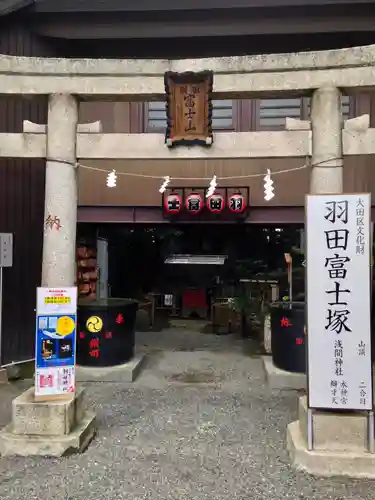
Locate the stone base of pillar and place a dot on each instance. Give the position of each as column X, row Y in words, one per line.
column 267, row 334
column 49, row 429
column 340, row 444
column 3, row 376
column 126, row 372
column 280, row 379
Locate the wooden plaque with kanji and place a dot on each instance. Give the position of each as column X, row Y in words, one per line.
column 189, row 108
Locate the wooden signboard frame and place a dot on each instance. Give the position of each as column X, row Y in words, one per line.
column 189, row 108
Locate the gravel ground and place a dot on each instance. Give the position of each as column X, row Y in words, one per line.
column 199, row 423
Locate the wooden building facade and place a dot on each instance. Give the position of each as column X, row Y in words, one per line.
column 159, row 29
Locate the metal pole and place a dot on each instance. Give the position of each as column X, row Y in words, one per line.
column 290, row 285
column 153, row 310
column 16, row 363
column 310, row 430
column 1, row 314
column 370, row 432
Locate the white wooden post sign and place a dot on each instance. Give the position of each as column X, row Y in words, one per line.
column 339, row 251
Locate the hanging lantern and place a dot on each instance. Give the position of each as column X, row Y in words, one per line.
column 215, row 203
column 173, row 203
column 237, row 203
column 194, row 203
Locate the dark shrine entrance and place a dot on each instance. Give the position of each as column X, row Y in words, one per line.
column 189, row 269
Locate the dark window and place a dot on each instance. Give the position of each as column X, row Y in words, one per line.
column 156, row 117
column 272, row 112
column 222, row 116
column 345, row 107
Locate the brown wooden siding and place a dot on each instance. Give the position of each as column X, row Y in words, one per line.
column 136, row 191
column 245, row 115
column 21, row 209
column 290, row 188
column 132, row 191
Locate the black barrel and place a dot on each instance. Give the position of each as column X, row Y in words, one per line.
column 105, row 334
column 288, row 340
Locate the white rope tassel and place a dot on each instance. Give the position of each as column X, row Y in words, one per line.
column 112, row 179
column 212, row 187
column 165, row 184
column 268, row 186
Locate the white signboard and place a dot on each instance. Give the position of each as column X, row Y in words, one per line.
column 56, row 300
column 55, row 342
column 339, row 250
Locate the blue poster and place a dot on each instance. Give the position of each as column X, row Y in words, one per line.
column 55, row 340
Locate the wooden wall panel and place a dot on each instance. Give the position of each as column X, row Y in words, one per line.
column 131, row 191
column 138, row 191
column 21, row 208
column 290, row 188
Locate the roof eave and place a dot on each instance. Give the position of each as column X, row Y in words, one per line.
column 9, row 6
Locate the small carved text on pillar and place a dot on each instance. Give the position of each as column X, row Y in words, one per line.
column 189, row 108
column 53, row 222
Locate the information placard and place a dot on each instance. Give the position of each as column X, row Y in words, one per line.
column 55, row 342
column 339, row 250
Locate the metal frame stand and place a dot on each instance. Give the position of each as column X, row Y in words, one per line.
column 370, row 432
column 310, row 429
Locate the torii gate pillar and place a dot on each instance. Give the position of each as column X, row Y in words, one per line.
column 60, row 209
column 326, row 125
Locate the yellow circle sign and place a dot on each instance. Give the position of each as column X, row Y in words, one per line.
column 65, row 326
column 94, row 324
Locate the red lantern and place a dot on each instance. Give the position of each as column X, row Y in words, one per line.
column 237, row 203
column 215, row 203
column 173, row 203
column 194, row 203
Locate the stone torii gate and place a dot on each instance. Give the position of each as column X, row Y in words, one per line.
column 325, row 75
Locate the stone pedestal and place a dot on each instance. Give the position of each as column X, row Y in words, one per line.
column 3, row 376
column 126, row 372
column 340, row 444
column 267, row 334
column 53, row 428
column 280, row 379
